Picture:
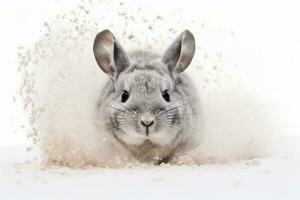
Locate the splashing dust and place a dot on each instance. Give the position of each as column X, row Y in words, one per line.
column 62, row 82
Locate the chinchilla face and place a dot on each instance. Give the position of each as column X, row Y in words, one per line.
column 146, row 105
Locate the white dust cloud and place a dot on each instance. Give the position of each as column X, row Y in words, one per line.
column 62, row 82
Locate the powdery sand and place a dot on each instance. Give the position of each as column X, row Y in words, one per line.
column 269, row 178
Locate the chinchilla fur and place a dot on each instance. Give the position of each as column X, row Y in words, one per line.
column 149, row 106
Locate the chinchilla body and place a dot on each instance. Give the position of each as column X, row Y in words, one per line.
column 148, row 105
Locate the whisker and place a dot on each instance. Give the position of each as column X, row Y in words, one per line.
column 118, row 109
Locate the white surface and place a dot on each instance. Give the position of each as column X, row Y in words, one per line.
column 269, row 178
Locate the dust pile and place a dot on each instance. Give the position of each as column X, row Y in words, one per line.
column 61, row 83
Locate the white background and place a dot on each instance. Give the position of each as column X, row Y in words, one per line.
column 268, row 28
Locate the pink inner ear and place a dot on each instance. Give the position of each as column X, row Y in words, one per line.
column 105, row 47
column 186, row 53
column 183, row 59
column 110, row 69
column 107, row 42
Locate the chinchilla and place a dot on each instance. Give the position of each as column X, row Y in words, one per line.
column 149, row 106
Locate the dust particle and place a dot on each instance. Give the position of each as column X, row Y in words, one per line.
column 159, row 17
column 28, row 148
column 130, row 36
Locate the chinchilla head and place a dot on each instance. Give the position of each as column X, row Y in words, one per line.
column 148, row 101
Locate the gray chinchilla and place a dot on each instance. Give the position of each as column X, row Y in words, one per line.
column 149, row 105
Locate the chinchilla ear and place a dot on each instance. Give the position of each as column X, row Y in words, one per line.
column 180, row 53
column 109, row 54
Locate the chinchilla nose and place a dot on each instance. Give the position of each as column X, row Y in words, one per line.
column 147, row 123
column 147, row 120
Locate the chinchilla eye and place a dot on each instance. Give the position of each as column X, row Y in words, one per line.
column 125, row 96
column 166, row 95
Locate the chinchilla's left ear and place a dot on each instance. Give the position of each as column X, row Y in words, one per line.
column 109, row 54
column 180, row 53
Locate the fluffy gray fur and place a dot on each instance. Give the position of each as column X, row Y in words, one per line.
column 151, row 128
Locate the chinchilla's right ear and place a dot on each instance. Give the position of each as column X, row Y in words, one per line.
column 109, row 54
column 180, row 53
